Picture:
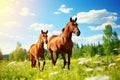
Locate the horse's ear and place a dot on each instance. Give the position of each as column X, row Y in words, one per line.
column 71, row 19
column 41, row 31
column 46, row 31
column 63, row 29
column 75, row 19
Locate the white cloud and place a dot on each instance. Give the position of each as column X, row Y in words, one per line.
column 6, row 36
column 26, row 12
column 102, row 27
column 88, row 40
column 39, row 26
column 8, row 26
column 57, row 12
column 11, row 24
column 63, row 9
column 96, row 16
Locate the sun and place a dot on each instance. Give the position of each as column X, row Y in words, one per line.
column 3, row 4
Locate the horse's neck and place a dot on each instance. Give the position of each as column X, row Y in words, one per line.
column 67, row 34
column 40, row 43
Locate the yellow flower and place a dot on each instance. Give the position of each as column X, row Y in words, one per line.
column 22, row 78
column 73, row 60
column 41, row 73
column 54, row 67
column 37, row 79
column 34, row 68
column 118, row 59
column 44, row 76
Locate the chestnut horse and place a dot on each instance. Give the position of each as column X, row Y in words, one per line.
column 37, row 50
column 63, row 43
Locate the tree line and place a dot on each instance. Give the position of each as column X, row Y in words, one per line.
column 110, row 46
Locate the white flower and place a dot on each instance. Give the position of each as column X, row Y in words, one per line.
column 53, row 73
column 83, row 60
column 97, row 62
column 111, row 64
column 98, row 77
column 88, row 69
column 11, row 63
column 65, row 69
column 99, row 69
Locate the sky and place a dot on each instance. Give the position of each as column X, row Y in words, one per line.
column 22, row 20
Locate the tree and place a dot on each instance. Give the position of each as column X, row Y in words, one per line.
column 115, row 40
column 1, row 56
column 19, row 53
column 76, row 51
column 107, row 40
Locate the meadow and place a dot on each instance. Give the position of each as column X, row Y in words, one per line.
column 85, row 68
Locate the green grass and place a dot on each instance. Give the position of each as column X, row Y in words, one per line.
column 96, row 67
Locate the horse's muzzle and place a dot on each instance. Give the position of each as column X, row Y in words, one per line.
column 78, row 33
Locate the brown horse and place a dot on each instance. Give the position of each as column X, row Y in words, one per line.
column 63, row 43
column 37, row 50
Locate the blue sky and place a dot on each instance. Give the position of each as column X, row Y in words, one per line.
column 22, row 20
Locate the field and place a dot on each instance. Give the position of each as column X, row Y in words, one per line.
column 89, row 68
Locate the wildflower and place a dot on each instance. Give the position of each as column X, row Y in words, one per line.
column 12, row 63
column 53, row 73
column 97, row 62
column 39, row 79
column 43, row 75
column 97, row 55
column 118, row 58
column 83, row 60
column 89, row 69
column 98, row 77
column 25, row 61
column 99, row 69
column 65, row 69
column 54, row 67
column 112, row 64
column 73, row 60
column 22, row 78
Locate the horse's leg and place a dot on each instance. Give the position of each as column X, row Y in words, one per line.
column 56, row 57
column 37, row 60
column 31, row 59
column 34, row 63
column 51, row 56
column 64, row 59
column 69, row 56
column 43, row 58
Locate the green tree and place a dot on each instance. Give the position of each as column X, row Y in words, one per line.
column 107, row 40
column 115, row 40
column 19, row 53
column 76, row 51
column 1, row 56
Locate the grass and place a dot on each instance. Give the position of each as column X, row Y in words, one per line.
column 97, row 67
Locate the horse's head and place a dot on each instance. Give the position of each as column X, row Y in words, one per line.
column 44, row 36
column 73, row 26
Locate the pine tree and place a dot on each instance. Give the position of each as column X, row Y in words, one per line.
column 107, row 40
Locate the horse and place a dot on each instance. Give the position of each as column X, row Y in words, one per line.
column 37, row 50
column 62, row 44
